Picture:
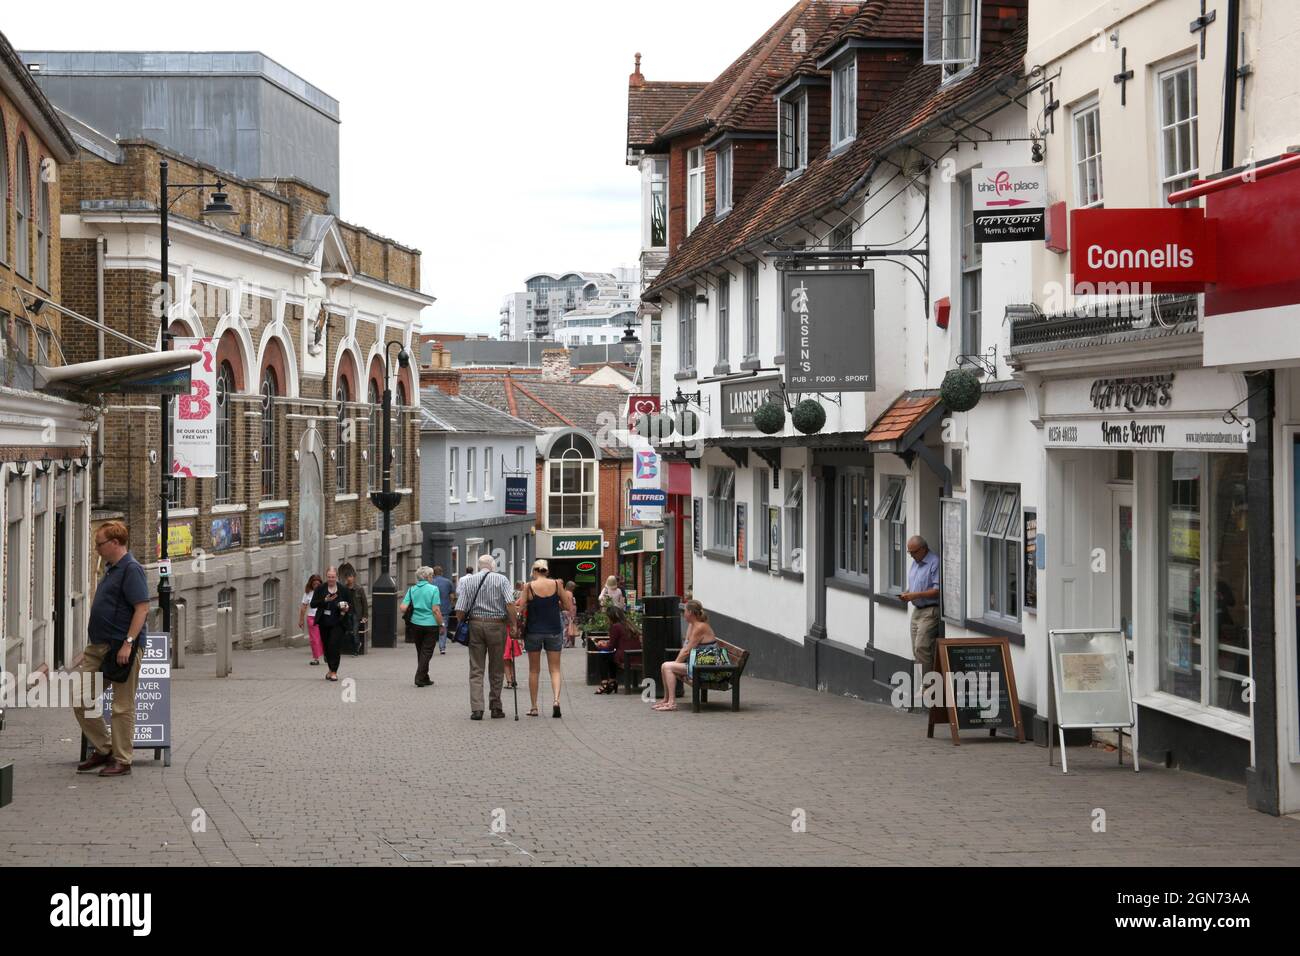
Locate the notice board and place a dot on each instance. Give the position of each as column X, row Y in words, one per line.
column 952, row 581
column 979, row 687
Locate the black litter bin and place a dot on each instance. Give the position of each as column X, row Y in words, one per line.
column 661, row 636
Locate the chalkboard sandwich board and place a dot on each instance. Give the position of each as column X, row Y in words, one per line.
column 979, row 687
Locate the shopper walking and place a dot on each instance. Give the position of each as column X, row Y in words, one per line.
column 333, row 603
column 425, row 605
column 307, row 618
column 543, row 600
column 117, row 618
column 446, row 592
column 484, row 600
column 359, row 619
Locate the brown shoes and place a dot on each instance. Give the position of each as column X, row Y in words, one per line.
column 116, row 769
column 95, row 761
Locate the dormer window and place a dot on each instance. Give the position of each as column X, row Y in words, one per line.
column 794, row 133
column 844, row 102
column 952, row 35
column 694, row 188
column 722, row 177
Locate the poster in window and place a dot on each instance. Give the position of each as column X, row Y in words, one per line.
column 774, row 539
column 697, row 524
column 952, row 562
column 1031, row 559
column 741, row 530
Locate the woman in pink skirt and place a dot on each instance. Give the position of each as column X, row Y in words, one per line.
column 307, row 615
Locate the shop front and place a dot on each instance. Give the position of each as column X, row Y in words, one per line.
column 640, row 562
column 576, row 558
column 1147, row 533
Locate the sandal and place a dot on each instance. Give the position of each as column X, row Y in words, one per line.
column 532, row 713
column 664, row 707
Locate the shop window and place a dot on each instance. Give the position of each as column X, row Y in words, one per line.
column 759, row 543
column 1204, row 561
column 999, row 532
column 722, row 508
column 792, row 540
column 892, row 516
column 852, row 524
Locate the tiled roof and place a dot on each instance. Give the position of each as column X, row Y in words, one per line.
column 740, row 98
column 550, row 405
column 901, row 418
column 651, row 105
column 773, row 205
column 440, row 412
column 874, row 20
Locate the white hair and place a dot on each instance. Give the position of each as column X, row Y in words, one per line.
column 487, row 563
column 424, row 574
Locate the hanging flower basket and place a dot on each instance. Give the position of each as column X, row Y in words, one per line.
column 809, row 417
column 770, row 417
column 961, row 390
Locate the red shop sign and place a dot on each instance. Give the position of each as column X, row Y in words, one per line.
column 638, row 405
column 1134, row 251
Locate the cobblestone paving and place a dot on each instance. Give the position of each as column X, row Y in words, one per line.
column 286, row 772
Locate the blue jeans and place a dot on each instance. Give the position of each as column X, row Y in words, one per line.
column 442, row 639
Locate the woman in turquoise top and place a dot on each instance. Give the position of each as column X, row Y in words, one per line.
column 426, row 619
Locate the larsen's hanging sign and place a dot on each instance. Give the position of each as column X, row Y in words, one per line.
column 829, row 331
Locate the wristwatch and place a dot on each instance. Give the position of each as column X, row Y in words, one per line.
column 130, row 639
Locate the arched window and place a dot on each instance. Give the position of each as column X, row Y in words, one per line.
column 270, row 473
column 571, row 484
column 43, row 234
column 376, row 422
column 23, row 213
column 342, row 441
column 4, row 193
column 225, row 419
column 399, row 446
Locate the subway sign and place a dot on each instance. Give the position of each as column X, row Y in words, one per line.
column 577, row 545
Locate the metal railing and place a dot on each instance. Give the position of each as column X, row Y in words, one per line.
column 1032, row 329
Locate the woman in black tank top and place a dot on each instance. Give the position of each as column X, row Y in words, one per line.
column 542, row 601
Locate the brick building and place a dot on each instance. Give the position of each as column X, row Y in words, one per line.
column 301, row 305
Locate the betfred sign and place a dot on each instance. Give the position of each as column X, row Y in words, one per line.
column 1136, row 251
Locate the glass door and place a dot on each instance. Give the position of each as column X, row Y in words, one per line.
column 1123, row 550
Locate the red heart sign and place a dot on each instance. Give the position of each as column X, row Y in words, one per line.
column 638, row 405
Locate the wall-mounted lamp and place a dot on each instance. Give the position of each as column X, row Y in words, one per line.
column 257, row 456
column 297, row 455
column 83, row 462
column 20, row 469
column 701, row 298
column 334, row 455
column 45, row 464
column 153, row 456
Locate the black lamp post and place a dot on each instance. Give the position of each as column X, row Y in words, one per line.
column 629, row 343
column 387, row 500
column 217, row 208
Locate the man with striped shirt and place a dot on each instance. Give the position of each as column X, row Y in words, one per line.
column 487, row 599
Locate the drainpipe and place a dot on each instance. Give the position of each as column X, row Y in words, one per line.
column 99, row 316
column 1230, row 85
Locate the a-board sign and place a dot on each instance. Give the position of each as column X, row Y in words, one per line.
column 153, row 694
column 979, row 687
column 952, row 562
column 1091, row 687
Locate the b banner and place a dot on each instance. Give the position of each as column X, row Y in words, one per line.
column 194, row 425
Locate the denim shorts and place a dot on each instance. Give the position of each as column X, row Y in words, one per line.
column 534, row 643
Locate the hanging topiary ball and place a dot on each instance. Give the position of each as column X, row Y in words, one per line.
column 961, row 390
column 770, row 417
column 809, row 416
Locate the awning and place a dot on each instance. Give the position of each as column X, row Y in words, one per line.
column 905, row 423
column 150, row 373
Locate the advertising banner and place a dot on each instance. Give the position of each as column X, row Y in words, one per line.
column 516, row 496
column 227, row 534
column 270, row 527
column 194, row 425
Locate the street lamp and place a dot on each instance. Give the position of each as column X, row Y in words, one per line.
column 217, row 209
column 387, row 500
column 630, row 343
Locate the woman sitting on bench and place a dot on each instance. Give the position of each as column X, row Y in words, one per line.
column 698, row 635
column 623, row 637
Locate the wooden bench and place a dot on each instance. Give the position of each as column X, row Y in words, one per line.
column 729, row 673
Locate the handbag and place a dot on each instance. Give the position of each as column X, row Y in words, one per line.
column 112, row 670
column 410, row 607
column 461, row 636
column 709, row 655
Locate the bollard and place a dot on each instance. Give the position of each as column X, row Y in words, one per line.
column 225, row 619
column 180, row 634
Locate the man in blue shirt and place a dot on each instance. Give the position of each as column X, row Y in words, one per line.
column 923, row 594
column 117, row 619
column 445, row 588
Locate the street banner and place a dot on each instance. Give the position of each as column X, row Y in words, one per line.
column 1010, row 204
column 830, row 331
column 194, row 425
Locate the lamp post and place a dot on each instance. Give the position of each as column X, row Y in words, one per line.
column 387, row 500
column 218, row 208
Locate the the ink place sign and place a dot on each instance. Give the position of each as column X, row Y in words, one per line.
column 1010, row 205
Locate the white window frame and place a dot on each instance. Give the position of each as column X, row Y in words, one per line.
column 970, row 264
column 686, row 320
column 852, row 512
column 891, row 513
column 43, row 214
column 695, row 179
column 793, row 515
column 488, row 455
column 1000, row 525
column 723, row 319
column 656, row 175
column 4, row 194
column 762, row 501
column 1185, row 175
column 941, row 39
column 723, row 179
column 453, row 467
column 752, row 303
column 270, row 603
column 471, row 468
column 844, row 101
column 588, row 485
column 792, row 131
column 1087, row 162
column 23, row 212
column 722, row 505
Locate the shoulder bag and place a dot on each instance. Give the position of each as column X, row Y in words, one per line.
column 461, row 636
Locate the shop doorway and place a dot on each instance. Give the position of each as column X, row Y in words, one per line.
column 1122, row 545
column 60, row 587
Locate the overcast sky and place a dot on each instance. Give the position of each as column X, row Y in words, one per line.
column 489, row 135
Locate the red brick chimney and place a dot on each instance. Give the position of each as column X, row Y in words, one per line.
column 555, row 366
column 636, row 79
column 439, row 372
